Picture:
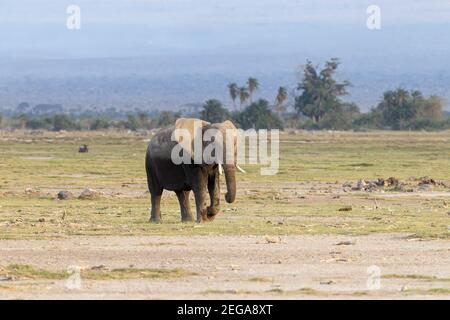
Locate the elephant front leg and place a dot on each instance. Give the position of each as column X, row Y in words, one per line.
column 214, row 195
column 200, row 202
column 183, row 199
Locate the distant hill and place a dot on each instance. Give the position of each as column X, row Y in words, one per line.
column 176, row 82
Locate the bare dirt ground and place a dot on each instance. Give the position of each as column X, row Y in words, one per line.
column 240, row 267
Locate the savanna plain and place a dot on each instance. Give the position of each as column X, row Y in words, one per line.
column 350, row 215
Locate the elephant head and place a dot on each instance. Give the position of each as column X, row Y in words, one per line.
column 229, row 147
column 226, row 147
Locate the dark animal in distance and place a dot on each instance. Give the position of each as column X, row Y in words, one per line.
column 83, row 149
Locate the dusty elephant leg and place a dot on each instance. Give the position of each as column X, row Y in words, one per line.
column 156, row 208
column 200, row 202
column 183, row 199
column 214, row 195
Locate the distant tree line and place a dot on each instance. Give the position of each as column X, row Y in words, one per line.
column 317, row 103
column 137, row 120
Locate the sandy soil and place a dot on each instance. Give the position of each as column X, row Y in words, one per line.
column 238, row 267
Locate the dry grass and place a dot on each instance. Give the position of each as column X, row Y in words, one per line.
column 304, row 198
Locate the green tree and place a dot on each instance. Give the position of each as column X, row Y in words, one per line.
column 23, row 107
column 22, row 120
column 243, row 95
column 167, row 118
column 282, row 96
column 401, row 109
column 40, row 123
column 320, row 92
column 342, row 119
column 253, row 85
column 144, row 120
column 258, row 116
column 132, row 122
column 63, row 121
column 233, row 90
column 100, row 124
column 214, row 112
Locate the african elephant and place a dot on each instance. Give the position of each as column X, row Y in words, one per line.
column 163, row 173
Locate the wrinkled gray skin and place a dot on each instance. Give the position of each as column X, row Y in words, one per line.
column 162, row 174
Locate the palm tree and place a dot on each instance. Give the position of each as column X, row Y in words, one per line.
column 234, row 91
column 243, row 95
column 253, row 85
column 280, row 99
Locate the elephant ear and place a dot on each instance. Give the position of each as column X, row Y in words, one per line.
column 191, row 125
column 228, row 125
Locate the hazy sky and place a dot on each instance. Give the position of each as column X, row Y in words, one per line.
column 139, row 27
column 212, row 12
column 226, row 40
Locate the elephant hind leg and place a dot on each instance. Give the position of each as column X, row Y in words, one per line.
column 183, row 199
column 156, row 207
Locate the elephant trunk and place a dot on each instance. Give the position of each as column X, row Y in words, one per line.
column 230, row 178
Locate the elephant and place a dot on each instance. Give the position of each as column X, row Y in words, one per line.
column 201, row 177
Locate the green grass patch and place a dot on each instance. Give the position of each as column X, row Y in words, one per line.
column 416, row 277
column 21, row 271
column 431, row 291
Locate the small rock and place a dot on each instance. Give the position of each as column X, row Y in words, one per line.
column 392, row 181
column 347, row 185
column 89, row 194
column 6, row 278
column 345, row 243
column 99, row 267
column 272, row 239
column 41, row 220
column 348, row 208
column 361, row 184
column 327, row 282
column 425, row 187
column 427, row 181
column 64, row 195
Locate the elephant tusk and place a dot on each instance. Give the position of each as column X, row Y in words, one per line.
column 240, row 169
column 220, row 169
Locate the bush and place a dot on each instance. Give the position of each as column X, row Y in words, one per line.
column 64, row 122
column 40, row 123
column 100, row 124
